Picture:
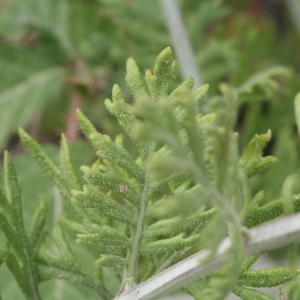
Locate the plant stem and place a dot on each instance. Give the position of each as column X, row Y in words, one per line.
column 182, row 45
column 130, row 277
column 268, row 236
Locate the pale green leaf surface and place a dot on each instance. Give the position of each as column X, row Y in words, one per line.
column 265, row 277
column 252, row 160
column 250, row 294
column 66, row 166
column 19, row 103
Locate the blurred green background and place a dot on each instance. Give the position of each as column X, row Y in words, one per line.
column 61, row 54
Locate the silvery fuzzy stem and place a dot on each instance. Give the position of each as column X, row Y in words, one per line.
column 268, row 236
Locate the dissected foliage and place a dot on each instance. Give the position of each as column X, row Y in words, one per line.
column 185, row 190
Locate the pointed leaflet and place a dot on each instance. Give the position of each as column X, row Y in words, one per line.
column 66, row 167
column 55, row 175
column 199, row 94
column 65, row 266
column 73, row 226
column 38, row 223
column 16, row 234
column 160, row 123
column 112, row 182
column 162, row 228
column 134, row 79
column 250, row 294
column 104, row 235
column 269, row 211
column 19, row 275
column 110, row 261
column 5, row 207
column 169, row 245
column 44, row 161
column 66, row 259
column 13, row 192
column 248, row 262
column 85, row 125
column 266, row 277
column 195, row 289
column 252, row 160
column 122, row 111
column 159, row 81
column 182, row 91
column 264, row 80
column 287, row 194
column 107, row 149
column 13, row 236
column 103, row 205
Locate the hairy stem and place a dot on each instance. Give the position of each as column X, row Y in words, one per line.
column 131, row 273
column 268, row 236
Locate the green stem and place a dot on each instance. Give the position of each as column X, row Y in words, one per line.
column 130, row 279
column 31, row 272
column 50, row 271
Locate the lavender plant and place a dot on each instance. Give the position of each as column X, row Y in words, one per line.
column 185, row 190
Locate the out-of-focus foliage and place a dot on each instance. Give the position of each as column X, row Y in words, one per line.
column 60, row 53
column 235, row 39
column 87, row 43
column 126, row 203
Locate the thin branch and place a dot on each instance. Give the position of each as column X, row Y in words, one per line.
column 267, row 236
column 181, row 43
column 294, row 10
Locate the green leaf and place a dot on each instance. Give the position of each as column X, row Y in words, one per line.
column 259, row 214
column 51, row 267
column 248, row 262
column 62, row 244
column 38, row 223
column 169, row 245
column 196, row 288
column 85, row 125
column 112, row 182
column 122, row 111
column 17, row 271
column 20, row 102
column 249, row 294
column 44, row 161
column 104, row 235
column 199, row 94
column 110, row 261
column 66, row 167
column 103, row 205
column 264, row 80
column 13, row 192
column 181, row 92
column 162, row 228
column 73, row 226
column 106, row 149
column 252, row 160
column 287, row 194
column 159, row 81
column 14, row 237
column 134, row 79
column 265, row 277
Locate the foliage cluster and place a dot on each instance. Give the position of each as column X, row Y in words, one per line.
column 58, row 54
column 185, row 190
